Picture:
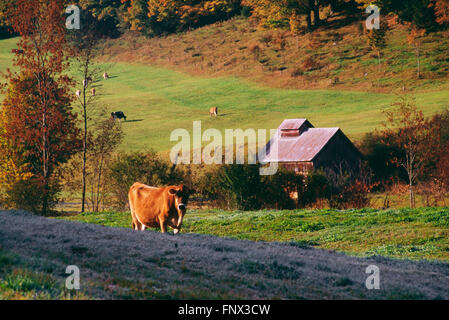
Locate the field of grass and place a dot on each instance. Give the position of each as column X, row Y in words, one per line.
column 403, row 233
column 159, row 100
column 121, row 263
column 21, row 283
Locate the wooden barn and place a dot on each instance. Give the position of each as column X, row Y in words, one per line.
column 300, row 147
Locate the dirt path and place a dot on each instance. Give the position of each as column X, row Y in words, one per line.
column 122, row 263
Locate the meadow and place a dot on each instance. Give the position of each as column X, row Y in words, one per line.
column 397, row 233
column 158, row 100
column 120, row 263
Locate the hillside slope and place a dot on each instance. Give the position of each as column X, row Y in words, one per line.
column 122, row 263
column 158, row 100
column 307, row 61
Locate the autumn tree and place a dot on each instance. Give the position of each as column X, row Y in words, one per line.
column 441, row 8
column 37, row 119
column 85, row 48
column 414, row 38
column 156, row 17
column 377, row 40
column 420, row 13
column 407, row 128
column 108, row 15
column 104, row 138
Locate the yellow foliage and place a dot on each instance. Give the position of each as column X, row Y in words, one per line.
column 12, row 169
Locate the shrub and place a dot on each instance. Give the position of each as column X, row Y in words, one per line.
column 379, row 156
column 350, row 188
column 310, row 64
column 147, row 168
column 297, row 72
column 29, row 194
column 316, row 188
column 255, row 50
column 241, row 185
column 282, row 190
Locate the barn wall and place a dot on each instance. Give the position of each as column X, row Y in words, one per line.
column 338, row 151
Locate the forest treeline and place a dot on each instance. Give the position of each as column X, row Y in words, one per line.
column 154, row 17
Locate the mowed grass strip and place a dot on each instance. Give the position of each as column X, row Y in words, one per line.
column 158, row 100
column 403, row 233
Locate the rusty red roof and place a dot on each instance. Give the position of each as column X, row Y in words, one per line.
column 303, row 148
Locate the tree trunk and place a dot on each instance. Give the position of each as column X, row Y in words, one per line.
column 84, row 152
column 412, row 196
column 100, row 172
column 309, row 21
column 44, row 163
column 316, row 13
column 418, row 57
column 379, row 60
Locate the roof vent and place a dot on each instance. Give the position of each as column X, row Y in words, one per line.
column 294, row 127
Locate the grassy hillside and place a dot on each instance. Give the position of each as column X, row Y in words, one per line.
column 159, row 97
column 304, row 61
column 413, row 234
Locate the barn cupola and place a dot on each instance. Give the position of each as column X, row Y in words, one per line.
column 294, row 127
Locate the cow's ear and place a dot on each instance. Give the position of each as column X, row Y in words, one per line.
column 172, row 191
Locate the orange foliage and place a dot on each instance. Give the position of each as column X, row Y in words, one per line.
column 441, row 8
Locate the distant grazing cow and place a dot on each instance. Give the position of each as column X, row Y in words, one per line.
column 213, row 112
column 158, row 207
column 118, row 115
column 105, row 76
column 78, row 93
column 93, row 92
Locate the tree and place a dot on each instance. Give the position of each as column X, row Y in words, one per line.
column 407, row 128
column 377, row 40
column 418, row 12
column 281, row 13
column 441, row 8
column 108, row 136
column 415, row 40
column 108, row 15
column 37, row 117
column 85, row 48
column 156, row 17
column 105, row 136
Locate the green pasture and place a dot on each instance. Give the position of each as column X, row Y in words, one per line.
column 401, row 233
column 158, row 100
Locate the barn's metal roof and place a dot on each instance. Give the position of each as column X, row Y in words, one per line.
column 292, row 124
column 303, row 148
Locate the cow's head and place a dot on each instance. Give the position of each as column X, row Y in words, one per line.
column 181, row 195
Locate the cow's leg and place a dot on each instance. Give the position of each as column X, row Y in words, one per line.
column 135, row 223
column 163, row 224
column 143, row 227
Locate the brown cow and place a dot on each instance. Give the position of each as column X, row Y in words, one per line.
column 213, row 111
column 158, row 207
